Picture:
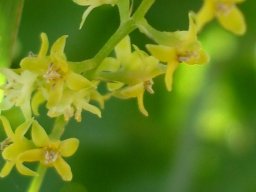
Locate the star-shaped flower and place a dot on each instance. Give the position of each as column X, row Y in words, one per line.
column 227, row 13
column 177, row 47
column 50, row 152
column 17, row 90
column 130, row 73
column 53, row 71
column 72, row 104
column 92, row 4
column 14, row 145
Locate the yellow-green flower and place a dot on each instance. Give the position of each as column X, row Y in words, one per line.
column 53, row 71
column 72, row 104
column 130, row 73
column 227, row 13
column 92, row 4
column 17, row 90
column 14, row 145
column 50, row 152
column 177, row 47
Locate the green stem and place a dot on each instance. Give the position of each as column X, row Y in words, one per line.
column 38, row 180
column 57, row 131
column 58, row 128
column 124, row 29
column 10, row 15
column 143, row 9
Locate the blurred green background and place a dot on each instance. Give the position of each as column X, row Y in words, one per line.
column 200, row 137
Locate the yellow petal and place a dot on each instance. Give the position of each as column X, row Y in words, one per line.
column 114, row 86
column 205, row 14
column 24, row 170
column 37, row 100
column 57, row 49
column 85, row 15
column 233, row 21
column 39, row 136
column 7, row 127
column 68, row 147
column 6, row 169
column 169, row 74
column 192, row 31
column 91, row 108
column 44, row 45
column 109, row 64
column 55, row 93
column 141, row 103
column 63, row 169
column 163, row 53
column 35, row 64
column 31, row 155
column 123, row 49
column 22, row 129
column 76, row 81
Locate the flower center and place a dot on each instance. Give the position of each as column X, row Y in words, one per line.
column 224, row 8
column 50, row 156
column 148, row 86
column 52, row 74
column 188, row 56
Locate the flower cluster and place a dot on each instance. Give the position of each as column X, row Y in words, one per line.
column 48, row 78
column 66, row 89
column 17, row 149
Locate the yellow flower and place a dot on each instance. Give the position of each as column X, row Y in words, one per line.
column 177, row 47
column 13, row 146
column 72, row 104
column 17, row 90
column 54, row 74
column 130, row 73
column 227, row 13
column 50, row 152
column 92, row 4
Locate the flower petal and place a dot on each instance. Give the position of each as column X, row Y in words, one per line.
column 24, row 170
column 205, row 14
column 39, row 136
column 35, row 64
column 85, row 15
column 57, row 49
column 7, row 127
column 163, row 53
column 91, row 108
column 68, row 147
column 141, row 103
column 6, row 169
column 233, row 21
column 169, row 74
column 55, row 94
column 76, row 81
column 22, row 129
column 44, row 45
column 31, row 155
column 123, row 49
column 63, row 169
column 37, row 100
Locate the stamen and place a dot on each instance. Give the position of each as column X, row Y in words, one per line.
column 50, row 156
column 224, row 8
column 148, row 86
column 188, row 56
column 51, row 74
